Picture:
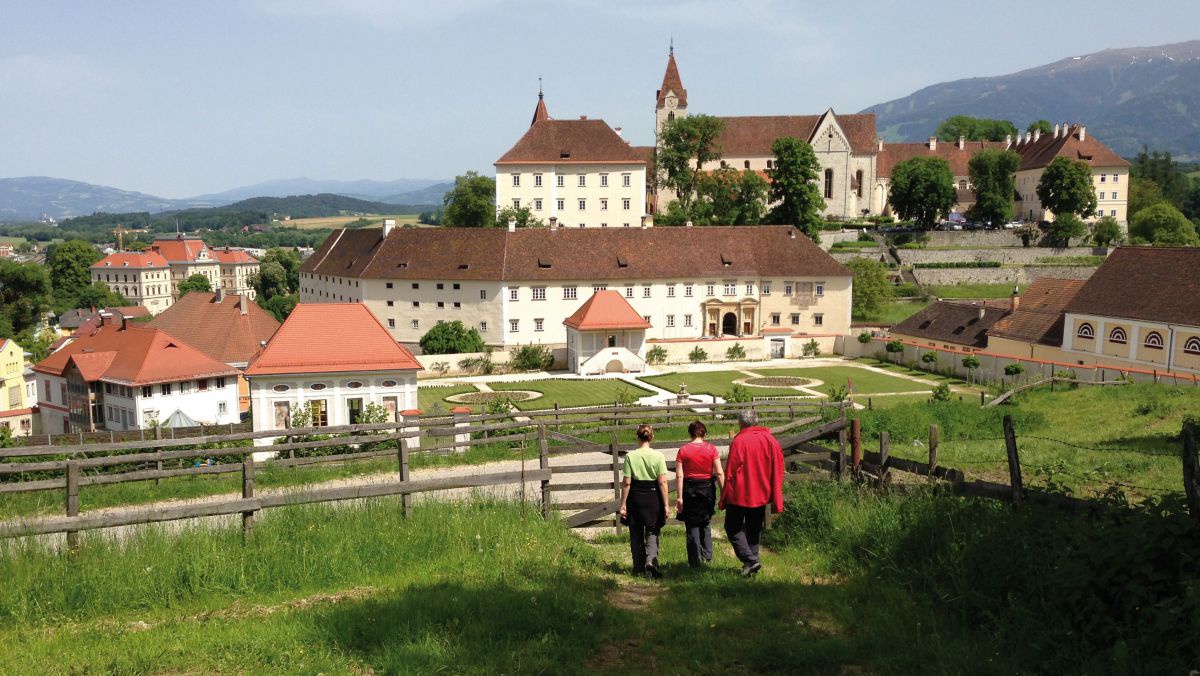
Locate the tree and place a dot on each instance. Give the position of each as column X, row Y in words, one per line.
column 24, row 294
column 196, row 282
column 279, row 306
column 1066, row 188
column 697, row 355
column 731, row 197
column 1064, row 228
column 523, row 216
column 656, row 355
column 270, row 281
column 922, row 190
column 99, row 295
column 794, row 186
column 1041, row 125
column 893, row 347
column 451, row 338
column 993, row 173
column 1158, row 168
column 685, row 145
column 1013, row 370
column 37, row 343
column 974, row 129
column 871, row 286
column 1142, row 193
column 471, row 203
column 287, row 259
column 70, row 270
column 530, row 358
column 1106, row 231
column 1163, row 225
column 864, row 338
column 970, row 363
column 929, row 358
column 735, row 353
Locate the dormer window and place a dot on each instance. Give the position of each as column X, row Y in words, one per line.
column 464, row 266
column 564, row 155
column 726, row 261
column 545, row 265
column 622, row 262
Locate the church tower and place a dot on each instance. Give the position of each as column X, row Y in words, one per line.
column 540, row 113
column 672, row 97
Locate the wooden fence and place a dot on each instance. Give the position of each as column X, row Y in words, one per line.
column 112, row 437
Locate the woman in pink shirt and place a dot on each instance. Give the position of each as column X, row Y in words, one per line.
column 698, row 477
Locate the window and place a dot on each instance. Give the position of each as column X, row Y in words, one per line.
column 712, row 289
column 537, row 180
column 774, row 319
column 670, row 321
column 416, row 324
column 582, row 204
column 318, row 412
column 416, row 303
column 687, row 320
column 539, row 292
column 570, row 292
column 456, row 286
column 629, row 292
column 603, row 205
column 560, row 181
column 391, row 303
column 828, row 183
column 1192, row 346
column 818, row 320
column 514, row 293
column 147, row 391
column 1113, row 213
column 537, row 205
column 1114, row 194
column 1103, row 177
column 583, row 180
column 1085, row 331
column 670, row 291
column 560, row 203
column 604, row 225
column 457, row 305
column 391, row 322
column 820, row 288
column 687, row 290
column 222, row 408
column 1118, row 336
column 730, row 289
column 645, row 292
column 513, row 325
column 483, row 327
column 625, row 204
column 185, row 387
column 749, row 288
column 625, row 180
column 516, row 180
column 1116, row 177
column 795, row 319
column 165, row 389
column 647, row 318
column 1153, row 340
column 483, row 294
column 539, row 324
column 603, row 180
column 599, row 287
column 787, row 289
column 441, row 305
column 766, row 288
column 516, row 203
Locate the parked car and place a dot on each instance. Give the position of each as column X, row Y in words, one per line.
column 1012, row 225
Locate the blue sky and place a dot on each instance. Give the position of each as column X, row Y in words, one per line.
column 181, row 98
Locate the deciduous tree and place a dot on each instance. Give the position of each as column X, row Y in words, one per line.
column 523, row 216
column 731, row 197
column 685, row 145
column 974, row 129
column 794, row 186
column 471, row 203
column 99, row 295
column 70, row 270
column 279, row 306
column 1064, row 228
column 1066, row 188
column 993, row 174
column 1163, row 225
column 1106, row 231
column 1043, row 126
column 451, row 338
column 24, row 294
column 871, row 286
column 922, row 190
column 196, row 282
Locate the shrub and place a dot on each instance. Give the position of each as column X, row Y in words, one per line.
column 893, row 347
column 736, row 352
column 908, row 290
column 812, row 348
column 864, row 236
column 531, row 358
column 864, row 337
column 440, row 367
column 697, row 355
column 626, row 397
column 941, row 392
column 481, row 365
column 451, row 338
column 656, row 355
column 929, row 358
column 1014, row 369
column 958, row 264
column 738, row 394
column 837, row 393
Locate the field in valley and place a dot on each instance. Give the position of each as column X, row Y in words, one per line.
column 340, row 221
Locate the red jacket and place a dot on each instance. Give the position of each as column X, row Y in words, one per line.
column 754, row 473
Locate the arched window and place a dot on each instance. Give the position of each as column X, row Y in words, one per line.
column 353, row 385
column 828, row 183
column 281, row 388
column 670, row 117
column 1192, row 346
column 1118, row 336
column 1153, row 340
column 317, row 386
column 858, row 182
column 1085, row 331
column 388, row 383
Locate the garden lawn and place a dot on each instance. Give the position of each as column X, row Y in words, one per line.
column 428, row 395
column 893, row 312
column 866, row 381
column 717, row 383
column 890, row 400
column 572, row 393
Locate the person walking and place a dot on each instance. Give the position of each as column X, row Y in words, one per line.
column 644, row 501
column 754, row 479
column 698, row 477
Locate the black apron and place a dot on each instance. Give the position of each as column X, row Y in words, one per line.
column 699, row 501
column 645, row 504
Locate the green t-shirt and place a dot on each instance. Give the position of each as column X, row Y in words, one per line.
column 645, row 464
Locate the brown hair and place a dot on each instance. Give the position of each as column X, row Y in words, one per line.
column 645, row 433
column 697, row 429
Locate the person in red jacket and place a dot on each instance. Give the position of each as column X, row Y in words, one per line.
column 753, row 480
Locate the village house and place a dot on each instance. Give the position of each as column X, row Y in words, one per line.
column 1034, row 329
column 72, row 320
column 605, row 335
column 332, row 360
column 123, row 376
column 516, row 286
column 227, row 269
column 960, row 325
column 228, row 328
column 141, row 276
column 957, row 155
column 17, row 398
column 1110, row 171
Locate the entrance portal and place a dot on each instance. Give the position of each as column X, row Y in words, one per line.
column 776, row 348
column 729, row 325
column 615, row 366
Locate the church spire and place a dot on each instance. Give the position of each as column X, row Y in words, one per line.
column 672, row 82
column 540, row 113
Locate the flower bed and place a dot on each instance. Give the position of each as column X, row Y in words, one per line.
column 489, row 397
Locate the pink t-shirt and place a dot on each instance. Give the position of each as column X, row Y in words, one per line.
column 696, row 460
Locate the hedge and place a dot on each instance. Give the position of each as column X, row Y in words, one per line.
column 960, row 264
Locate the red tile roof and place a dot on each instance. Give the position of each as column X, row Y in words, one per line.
column 229, row 256
column 565, row 141
column 1039, row 314
column 131, row 259
column 672, row 82
column 219, row 329
column 180, row 249
column 1154, row 284
column 958, row 159
column 540, row 113
column 752, row 136
column 958, row 322
column 564, row 254
column 1089, row 149
column 331, row 338
column 135, row 355
column 606, row 310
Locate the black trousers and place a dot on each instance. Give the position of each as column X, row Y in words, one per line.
column 743, row 527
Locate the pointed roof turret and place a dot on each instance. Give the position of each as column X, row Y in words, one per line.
column 540, row 113
column 672, row 82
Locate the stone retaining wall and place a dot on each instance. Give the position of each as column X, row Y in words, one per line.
column 973, row 238
column 1009, row 256
column 843, row 257
column 1015, row 275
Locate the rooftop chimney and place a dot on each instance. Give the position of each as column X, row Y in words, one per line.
column 388, row 225
column 1028, row 136
column 262, row 343
column 962, row 142
column 1008, row 141
column 618, row 130
column 242, row 305
column 512, row 224
column 792, row 233
column 1016, row 299
column 583, row 117
column 219, row 296
column 1082, row 133
column 933, row 143
column 1037, row 133
column 553, row 222
column 1056, row 130
column 688, row 224
column 982, row 311
column 879, row 145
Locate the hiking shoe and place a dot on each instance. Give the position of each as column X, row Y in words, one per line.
column 751, row 569
column 652, row 568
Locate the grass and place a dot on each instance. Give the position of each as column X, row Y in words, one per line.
column 974, row 290
column 338, row 221
column 428, row 396
column 866, row 381
column 13, row 240
column 716, row 383
column 356, row 589
column 572, row 393
column 893, row 312
column 891, row 400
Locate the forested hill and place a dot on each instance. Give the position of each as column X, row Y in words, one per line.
column 1128, row 98
column 324, row 204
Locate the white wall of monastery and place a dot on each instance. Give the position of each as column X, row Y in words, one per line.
column 591, row 195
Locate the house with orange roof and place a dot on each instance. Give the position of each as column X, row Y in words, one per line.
column 227, row 268
column 333, row 361
column 17, row 399
column 606, row 335
column 124, row 376
column 143, row 277
column 1110, row 171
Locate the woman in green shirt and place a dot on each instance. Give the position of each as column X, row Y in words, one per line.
column 644, row 501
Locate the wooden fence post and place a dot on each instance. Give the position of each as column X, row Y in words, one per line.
column 544, row 463
column 402, row 457
column 982, row 400
column 1191, row 470
column 1014, row 461
column 616, row 477
column 933, row 448
column 841, row 456
column 247, row 492
column 884, row 455
column 158, row 462
column 72, row 503
column 856, row 444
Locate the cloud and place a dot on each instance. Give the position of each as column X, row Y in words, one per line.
column 386, row 14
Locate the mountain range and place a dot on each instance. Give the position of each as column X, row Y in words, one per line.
column 1128, row 98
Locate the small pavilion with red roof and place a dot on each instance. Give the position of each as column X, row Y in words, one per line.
column 606, row 335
